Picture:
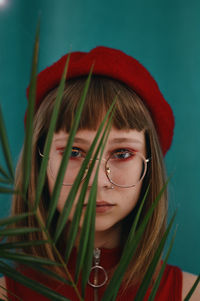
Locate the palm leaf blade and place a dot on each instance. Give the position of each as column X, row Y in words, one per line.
column 76, row 219
column 30, row 283
column 17, row 231
column 22, row 244
column 148, row 276
column 90, row 219
column 66, row 155
column 6, row 181
column 7, row 190
column 115, row 282
column 128, row 252
column 88, row 225
column 157, row 282
column 87, row 263
column 4, row 173
column 30, row 112
column 42, row 173
column 6, row 148
column 23, row 258
column 13, row 219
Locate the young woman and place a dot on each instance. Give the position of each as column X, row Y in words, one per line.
column 140, row 136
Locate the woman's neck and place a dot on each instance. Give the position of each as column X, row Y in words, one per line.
column 108, row 239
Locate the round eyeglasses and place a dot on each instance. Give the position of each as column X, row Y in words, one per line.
column 124, row 168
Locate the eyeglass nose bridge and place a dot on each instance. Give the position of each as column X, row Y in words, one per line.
column 107, row 169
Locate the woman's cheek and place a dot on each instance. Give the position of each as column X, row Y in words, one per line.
column 63, row 192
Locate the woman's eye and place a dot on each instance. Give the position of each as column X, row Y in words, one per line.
column 77, row 153
column 122, row 154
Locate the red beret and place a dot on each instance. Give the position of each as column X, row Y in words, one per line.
column 117, row 65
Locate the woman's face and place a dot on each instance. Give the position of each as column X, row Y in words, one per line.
column 112, row 205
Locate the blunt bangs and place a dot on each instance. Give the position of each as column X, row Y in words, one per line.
column 130, row 112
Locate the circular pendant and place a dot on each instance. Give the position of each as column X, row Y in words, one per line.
column 98, row 276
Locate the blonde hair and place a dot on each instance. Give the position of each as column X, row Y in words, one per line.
column 130, row 113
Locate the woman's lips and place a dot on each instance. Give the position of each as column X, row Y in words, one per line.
column 102, row 206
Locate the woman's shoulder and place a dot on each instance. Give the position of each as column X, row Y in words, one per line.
column 2, row 287
column 188, row 281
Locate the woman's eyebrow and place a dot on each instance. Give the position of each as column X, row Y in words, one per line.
column 123, row 139
column 76, row 139
column 81, row 140
column 112, row 141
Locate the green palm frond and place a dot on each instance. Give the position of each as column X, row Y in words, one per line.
column 2, row 171
column 6, row 151
column 66, row 155
column 85, row 253
column 6, row 176
column 17, row 231
column 42, row 173
column 7, row 190
column 27, row 158
column 30, row 283
column 150, row 272
column 63, row 217
column 22, row 244
column 23, row 258
column 13, row 219
column 157, row 282
column 130, row 247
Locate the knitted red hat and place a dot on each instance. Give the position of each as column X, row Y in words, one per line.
column 117, row 65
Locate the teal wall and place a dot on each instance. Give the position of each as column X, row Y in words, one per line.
column 163, row 34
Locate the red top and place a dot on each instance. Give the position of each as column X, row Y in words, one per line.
column 170, row 287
